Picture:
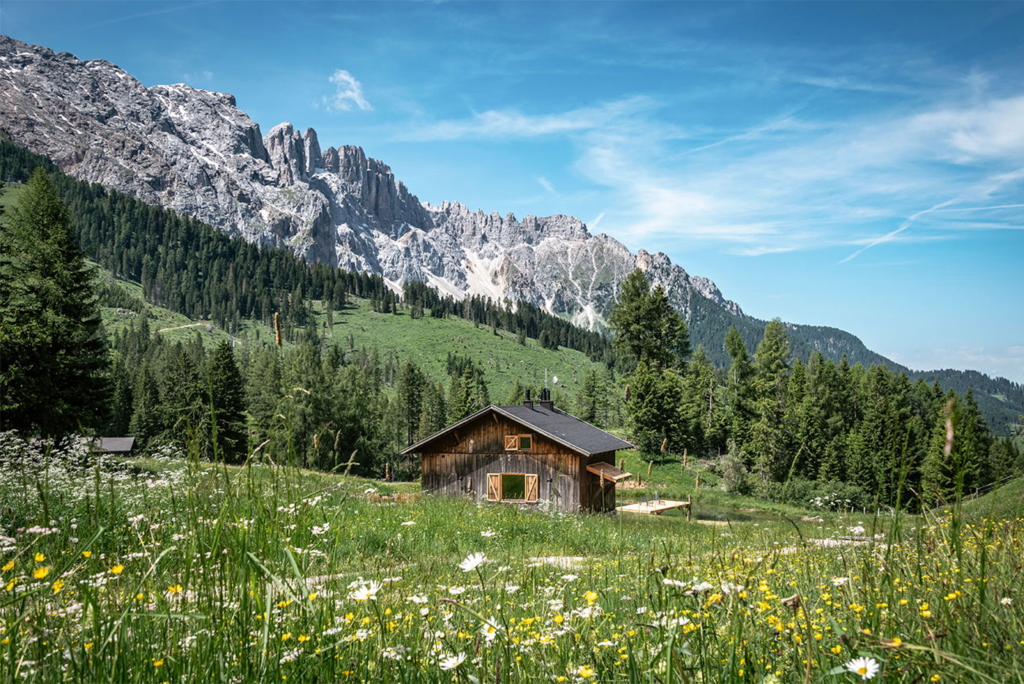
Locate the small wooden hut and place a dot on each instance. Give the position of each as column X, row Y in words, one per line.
column 524, row 454
column 113, row 445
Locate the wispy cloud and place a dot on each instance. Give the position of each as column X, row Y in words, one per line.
column 203, row 76
column 507, row 124
column 348, row 93
column 546, row 184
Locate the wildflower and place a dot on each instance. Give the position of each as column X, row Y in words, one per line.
column 867, row 668
column 837, row 649
column 417, row 599
column 57, row 586
column 366, row 592
column 455, row 591
column 286, row 636
column 176, row 589
column 9, row 566
column 312, row 596
column 303, row 638
column 40, row 558
column 839, row 581
column 86, row 554
column 586, row 672
column 472, row 562
column 1007, row 601
column 41, row 573
column 158, row 663
column 591, row 596
column 408, row 523
column 487, row 533
column 452, row 662
column 117, row 569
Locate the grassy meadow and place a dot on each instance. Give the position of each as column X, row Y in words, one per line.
column 172, row 569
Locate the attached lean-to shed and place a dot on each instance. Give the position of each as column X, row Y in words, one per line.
column 524, row 454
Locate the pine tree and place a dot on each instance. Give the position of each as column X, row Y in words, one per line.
column 740, row 389
column 410, row 388
column 592, row 398
column 517, row 394
column 647, row 329
column 53, row 350
column 767, row 436
column 227, row 399
column 185, row 409
column 147, row 422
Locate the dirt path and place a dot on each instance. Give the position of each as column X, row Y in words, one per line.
column 179, row 327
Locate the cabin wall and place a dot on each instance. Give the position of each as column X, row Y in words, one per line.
column 458, row 463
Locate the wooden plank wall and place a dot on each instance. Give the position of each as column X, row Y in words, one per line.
column 459, row 463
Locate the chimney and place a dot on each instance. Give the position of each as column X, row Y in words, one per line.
column 545, row 400
column 528, row 403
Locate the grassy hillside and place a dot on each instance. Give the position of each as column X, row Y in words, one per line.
column 427, row 341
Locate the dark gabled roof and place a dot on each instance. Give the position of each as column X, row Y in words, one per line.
column 556, row 425
column 114, row 445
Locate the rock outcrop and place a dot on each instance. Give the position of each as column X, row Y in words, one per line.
column 195, row 152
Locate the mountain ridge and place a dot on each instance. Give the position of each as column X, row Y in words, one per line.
column 195, row 152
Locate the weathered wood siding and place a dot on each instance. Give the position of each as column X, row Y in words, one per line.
column 459, row 463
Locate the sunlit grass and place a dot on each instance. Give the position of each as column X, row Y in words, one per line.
column 172, row 569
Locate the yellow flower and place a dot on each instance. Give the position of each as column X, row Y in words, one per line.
column 936, row 678
column 158, row 663
column 57, row 586
column 41, row 573
column 312, row 597
column 40, row 558
column 897, row 642
column 586, row 671
column 176, row 589
column 117, row 569
column 9, row 566
column 88, row 646
column 837, row 649
column 303, row 638
column 86, row 554
column 591, row 596
column 286, row 636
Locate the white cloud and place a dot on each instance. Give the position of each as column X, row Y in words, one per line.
column 198, row 76
column 506, row 124
column 348, row 92
column 546, row 184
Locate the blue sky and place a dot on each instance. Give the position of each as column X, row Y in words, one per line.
column 853, row 165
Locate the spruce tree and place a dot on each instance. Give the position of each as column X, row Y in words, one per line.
column 227, row 400
column 147, row 421
column 767, row 436
column 53, row 350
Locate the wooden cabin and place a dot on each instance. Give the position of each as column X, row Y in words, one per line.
column 524, row 455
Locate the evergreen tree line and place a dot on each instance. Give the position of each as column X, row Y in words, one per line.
column 777, row 427
column 323, row 407
column 194, row 269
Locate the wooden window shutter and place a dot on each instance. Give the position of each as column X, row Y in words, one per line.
column 493, row 487
column 511, row 442
column 531, row 487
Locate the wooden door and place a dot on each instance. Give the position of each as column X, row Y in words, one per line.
column 493, row 487
column 531, row 487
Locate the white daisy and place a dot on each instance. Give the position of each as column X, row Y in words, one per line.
column 366, row 592
column 867, row 668
column 472, row 562
column 452, row 662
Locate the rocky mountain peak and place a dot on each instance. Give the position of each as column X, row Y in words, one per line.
column 194, row 151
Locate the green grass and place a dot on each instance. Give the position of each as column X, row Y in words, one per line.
column 167, row 570
column 427, row 341
column 1006, row 502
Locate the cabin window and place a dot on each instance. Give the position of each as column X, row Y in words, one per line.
column 515, row 487
column 518, row 442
